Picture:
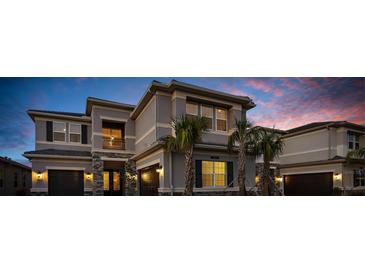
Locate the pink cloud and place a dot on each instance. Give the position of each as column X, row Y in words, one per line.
column 264, row 85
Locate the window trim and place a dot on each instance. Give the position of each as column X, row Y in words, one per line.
column 214, row 174
column 65, row 132
column 192, row 103
column 356, row 140
column 69, row 133
column 359, row 178
column 201, row 114
column 216, row 119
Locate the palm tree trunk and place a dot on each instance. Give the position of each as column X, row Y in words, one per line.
column 266, row 174
column 241, row 171
column 189, row 183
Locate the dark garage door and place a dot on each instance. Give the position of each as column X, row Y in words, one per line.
column 150, row 181
column 313, row 184
column 65, row 183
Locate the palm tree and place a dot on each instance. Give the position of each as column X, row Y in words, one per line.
column 357, row 154
column 244, row 135
column 188, row 132
column 269, row 145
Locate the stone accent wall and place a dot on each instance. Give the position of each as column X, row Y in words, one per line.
column 98, row 168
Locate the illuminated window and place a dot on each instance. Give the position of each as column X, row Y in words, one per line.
column 59, row 131
column 191, row 110
column 213, row 174
column 75, row 133
column 116, row 181
column 113, row 136
column 221, row 118
column 106, row 180
column 353, row 141
column 207, row 112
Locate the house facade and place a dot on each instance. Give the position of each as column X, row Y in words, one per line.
column 15, row 178
column 314, row 159
column 99, row 151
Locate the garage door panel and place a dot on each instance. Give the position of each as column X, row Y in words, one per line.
column 65, row 183
column 312, row 184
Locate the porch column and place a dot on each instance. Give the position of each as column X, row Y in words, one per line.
column 98, row 169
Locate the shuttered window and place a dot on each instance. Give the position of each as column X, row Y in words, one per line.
column 59, row 131
column 75, row 133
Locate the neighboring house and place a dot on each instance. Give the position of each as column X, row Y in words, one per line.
column 15, row 178
column 89, row 153
column 314, row 159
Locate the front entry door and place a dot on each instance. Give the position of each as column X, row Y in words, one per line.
column 112, row 183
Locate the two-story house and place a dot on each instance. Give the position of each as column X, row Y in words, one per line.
column 314, row 159
column 87, row 153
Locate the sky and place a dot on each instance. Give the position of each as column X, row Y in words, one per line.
column 282, row 103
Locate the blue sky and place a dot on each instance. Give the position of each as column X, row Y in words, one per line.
column 281, row 102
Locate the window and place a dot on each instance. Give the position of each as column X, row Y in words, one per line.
column 1, row 178
column 75, row 133
column 221, row 115
column 353, row 141
column 359, row 177
column 207, row 112
column 191, row 110
column 213, row 174
column 113, row 136
column 15, row 179
column 59, row 131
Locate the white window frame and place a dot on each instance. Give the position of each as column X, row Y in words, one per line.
column 214, row 177
column 53, row 124
column 197, row 110
column 201, row 114
column 69, row 132
column 355, row 141
column 216, row 119
column 353, row 178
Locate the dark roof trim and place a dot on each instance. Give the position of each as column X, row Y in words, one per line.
column 58, row 114
column 107, row 103
column 334, row 160
column 13, row 163
column 177, row 85
column 56, row 153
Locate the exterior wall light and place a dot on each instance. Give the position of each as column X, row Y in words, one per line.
column 278, row 179
column 159, row 169
column 337, row 176
column 39, row 175
column 88, row 176
column 257, row 179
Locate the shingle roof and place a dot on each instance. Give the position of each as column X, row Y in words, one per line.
column 12, row 162
column 58, row 152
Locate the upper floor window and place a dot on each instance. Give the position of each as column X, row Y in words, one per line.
column 1, row 178
column 59, row 131
column 359, row 177
column 15, row 179
column 191, row 110
column 75, row 133
column 353, row 140
column 24, row 180
column 213, row 174
column 207, row 112
column 113, row 135
column 221, row 115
